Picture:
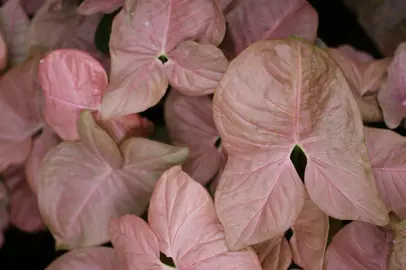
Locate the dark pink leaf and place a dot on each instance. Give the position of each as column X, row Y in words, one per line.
column 42, row 144
column 138, row 78
column 14, row 23
column 274, row 254
column 387, row 152
column 309, row 239
column 364, row 77
column 24, row 212
column 93, row 258
column 189, row 121
column 20, row 101
column 84, row 184
column 72, row 81
column 392, row 97
column 89, row 7
column 50, row 25
column 252, row 20
column 310, row 105
column 184, row 226
column 126, row 126
column 4, row 216
column 359, row 246
column 195, row 69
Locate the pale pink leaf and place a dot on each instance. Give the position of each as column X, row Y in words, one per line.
column 3, row 53
column 92, row 258
column 72, row 81
column 189, row 121
column 309, row 239
column 89, row 7
column 20, row 102
column 275, row 95
column 359, row 246
column 274, row 254
column 392, row 96
column 183, row 217
column 14, row 23
column 4, row 207
column 42, row 144
column 138, row 79
column 195, row 69
column 24, row 212
column 84, row 184
column 268, row 192
column 355, row 54
column 216, row 180
column 387, row 152
column 253, row 20
column 58, row 25
column 136, row 244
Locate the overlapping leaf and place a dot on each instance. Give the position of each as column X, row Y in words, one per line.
column 154, row 43
column 183, row 225
column 274, row 254
column 387, row 151
column 89, row 7
column 275, row 95
column 392, row 96
column 82, row 185
column 14, row 23
column 94, row 258
column 359, row 245
column 189, row 121
column 253, row 20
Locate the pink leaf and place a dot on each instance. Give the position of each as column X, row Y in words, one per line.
column 89, row 7
column 82, row 185
column 274, row 254
column 356, row 55
column 136, row 244
column 72, row 81
column 184, row 226
column 260, row 194
column 309, row 239
column 392, row 96
column 14, row 23
column 189, row 121
column 195, row 69
column 138, row 79
column 387, row 152
column 42, row 144
column 50, row 25
column 216, row 180
column 253, row 20
column 4, row 216
column 397, row 260
column 364, row 77
column 93, row 258
column 24, row 212
column 359, row 245
column 20, row 101
column 3, row 53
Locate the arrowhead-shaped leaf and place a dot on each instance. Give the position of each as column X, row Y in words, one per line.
column 72, row 81
column 359, row 245
column 310, row 105
column 139, row 65
column 84, row 184
column 184, row 226
column 93, row 258
column 189, row 121
column 387, row 151
column 392, row 96
column 253, row 20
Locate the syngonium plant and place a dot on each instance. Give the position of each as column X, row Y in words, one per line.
column 268, row 150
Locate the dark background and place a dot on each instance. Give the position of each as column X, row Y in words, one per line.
column 337, row 25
